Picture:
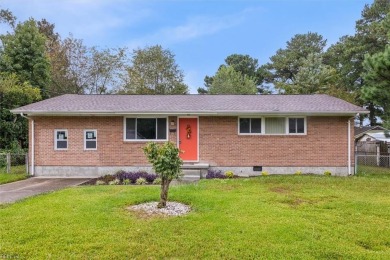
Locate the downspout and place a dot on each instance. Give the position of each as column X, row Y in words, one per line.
column 32, row 144
column 349, row 146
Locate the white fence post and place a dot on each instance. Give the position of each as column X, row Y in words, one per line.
column 356, row 163
column 377, row 155
column 8, row 162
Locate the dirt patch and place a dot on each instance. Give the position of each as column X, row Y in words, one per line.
column 282, row 190
column 295, row 201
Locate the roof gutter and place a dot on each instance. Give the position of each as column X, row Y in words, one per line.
column 32, row 144
column 201, row 113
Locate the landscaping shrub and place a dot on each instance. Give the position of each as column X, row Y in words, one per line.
column 215, row 174
column 114, row 182
column 149, row 177
column 298, row 173
column 140, row 181
column 126, row 178
column 264, row 173
column 157, row 181
column 327, row 173
column 107, row 178
column 133, row 176
column 229, row 174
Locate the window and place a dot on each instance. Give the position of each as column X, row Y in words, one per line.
column 296, row 125
column 145, row 129
column 272, row 125
column 60, row 139
column 275, row 125
column 250, row 126
column 90, row 139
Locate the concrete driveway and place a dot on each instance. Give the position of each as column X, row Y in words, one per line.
column 14, row 191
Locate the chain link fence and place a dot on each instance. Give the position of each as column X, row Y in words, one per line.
column 373, row 160
column 372, row 164
column 13, row 163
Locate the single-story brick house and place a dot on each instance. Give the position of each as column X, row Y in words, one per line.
column 90, row 135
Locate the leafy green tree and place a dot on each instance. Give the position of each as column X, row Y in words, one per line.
column 106, row 69
column 244, row 64
column 13, row 94
column 229, row 81
column 166, row 163
column 347, row 55
column 7, row 17
column 154, row 71
column 23, row 53
column 78, row 69
column 377, row 81
column 285, row 64
column 313, row 77
column 52, row 38
column 62, row 81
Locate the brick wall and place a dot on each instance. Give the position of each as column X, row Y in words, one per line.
column 324, row 145
column 219, row 144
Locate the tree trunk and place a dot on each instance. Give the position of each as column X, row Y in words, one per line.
column 164, row 193
column 372, row 116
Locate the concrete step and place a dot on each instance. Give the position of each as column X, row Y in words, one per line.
column 190, row 175
column 190, row 178
column 195, row 166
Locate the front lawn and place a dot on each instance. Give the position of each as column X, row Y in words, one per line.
column 17, row 173
column 273, row 217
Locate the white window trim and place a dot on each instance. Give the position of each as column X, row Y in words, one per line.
column 250, row 123
column 263, row 123
column 145, row 140
column 55, row 139
column 304, row 125
column 85, row 140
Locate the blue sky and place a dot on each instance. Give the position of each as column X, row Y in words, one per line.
column 200, row 33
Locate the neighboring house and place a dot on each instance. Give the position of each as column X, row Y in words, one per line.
column 360, row 131
column 372, row 140
column 90, row 135
column 381, row 136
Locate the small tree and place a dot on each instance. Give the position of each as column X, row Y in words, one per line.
column 166, row 163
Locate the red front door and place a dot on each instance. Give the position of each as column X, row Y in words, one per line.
column 188, row 138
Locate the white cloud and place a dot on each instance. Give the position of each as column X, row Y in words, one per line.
column 194, row 27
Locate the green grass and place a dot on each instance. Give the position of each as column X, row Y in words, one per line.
column 273, row 217
column 373, row 171
column 17, row 173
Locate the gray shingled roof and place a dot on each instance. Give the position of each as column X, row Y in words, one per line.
column 190, row 104
column 360, row 130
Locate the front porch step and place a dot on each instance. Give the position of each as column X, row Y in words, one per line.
column 196, row 166
column 194, row 171
column 190, row 175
